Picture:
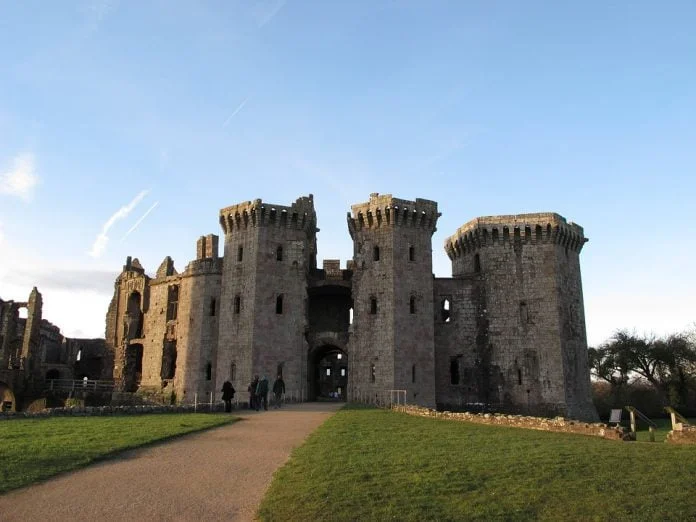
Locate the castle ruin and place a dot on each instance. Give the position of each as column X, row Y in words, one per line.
column 506, row 330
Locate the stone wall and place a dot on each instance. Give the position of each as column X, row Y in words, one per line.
column 96, row 411
column 558, row 424
column 682, row 434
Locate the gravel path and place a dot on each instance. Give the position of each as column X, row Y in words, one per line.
column 220, row 474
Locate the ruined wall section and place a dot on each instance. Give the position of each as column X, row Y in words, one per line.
column 125, row 327
column 527, row 354
column 455, row 311
column 269, row 250
column 392, row 346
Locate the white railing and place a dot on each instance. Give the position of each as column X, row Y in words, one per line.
column 80, row 385
column 380, row 398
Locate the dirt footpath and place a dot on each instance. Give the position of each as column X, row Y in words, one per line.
column 221, row 474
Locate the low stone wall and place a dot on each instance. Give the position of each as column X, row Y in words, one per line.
column 559, row 424
column 682, row 434
column 91, row 411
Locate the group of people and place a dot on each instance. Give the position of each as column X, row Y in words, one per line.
column 258, row 393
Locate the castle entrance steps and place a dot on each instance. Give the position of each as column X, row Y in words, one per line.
column 220, row 474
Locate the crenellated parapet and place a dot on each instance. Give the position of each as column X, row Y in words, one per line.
column 300, row 215
column 386, row 211
column 546, row 227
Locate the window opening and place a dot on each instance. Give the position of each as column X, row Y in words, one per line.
column 411, row 253
column 240, row 254
column 237, row 304
column 343, row 372
column 413, row 373
column 524, row 315
column 79, row 355
column 519, row 376
column 445, row 311
column 412, row 305
column 375, row 253
column 454, row 371
column 213, row 305
column 172, row 302
column 279, row 370
column 279, row 253
column 233, row 371
column 208, row 372
column 373, row 305
column 279, row 304
column 477, row 263
column 373, row 377
column 350, row 315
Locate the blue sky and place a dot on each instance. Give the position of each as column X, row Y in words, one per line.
column 177, row 109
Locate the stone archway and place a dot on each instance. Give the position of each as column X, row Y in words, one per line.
column 7, row 398
column 328, row 373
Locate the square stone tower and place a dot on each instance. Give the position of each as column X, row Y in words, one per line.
column 392, row 345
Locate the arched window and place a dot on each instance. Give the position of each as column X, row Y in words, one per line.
column 375, row 253
column 538, row 232
column 279, row 253
column 495, row 235
column 412, row 305
column 279, row 304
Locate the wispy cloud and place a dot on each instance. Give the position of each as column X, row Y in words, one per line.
column 102, row 238
column 239, row 108
column 266, row 11
column 20, row 180
column 131, row 229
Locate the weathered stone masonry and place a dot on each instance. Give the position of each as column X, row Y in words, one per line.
column 506, row 330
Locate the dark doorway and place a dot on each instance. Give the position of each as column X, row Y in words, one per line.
column 133, row 368
column 328, row 374
column 52, row 374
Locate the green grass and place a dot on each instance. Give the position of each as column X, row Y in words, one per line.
column 35, row 449
column 368, row 464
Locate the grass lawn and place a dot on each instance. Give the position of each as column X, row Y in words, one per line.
column 369, row 464
column 35, row 449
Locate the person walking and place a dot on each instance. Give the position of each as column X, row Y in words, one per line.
column 278, row 390
column 262, row 394
column 227, row 395
column 252, row 393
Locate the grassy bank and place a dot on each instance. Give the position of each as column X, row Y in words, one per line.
column 367, row 464
column 35, row 449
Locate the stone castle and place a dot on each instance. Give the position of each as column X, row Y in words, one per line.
column 507, row 329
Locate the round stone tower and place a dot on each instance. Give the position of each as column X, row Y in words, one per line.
column 535, row 341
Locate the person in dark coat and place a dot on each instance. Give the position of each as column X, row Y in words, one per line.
column 252, row 393
column 278, row 390
column 262, row 394
column 227, row 395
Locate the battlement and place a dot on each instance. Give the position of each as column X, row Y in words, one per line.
column 544, row 227
column 300, row 215
column 386, row 210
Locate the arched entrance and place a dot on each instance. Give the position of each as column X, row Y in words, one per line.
column 52, row 374
column 328, row 374
column 7, row 398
